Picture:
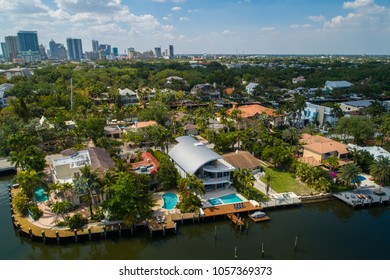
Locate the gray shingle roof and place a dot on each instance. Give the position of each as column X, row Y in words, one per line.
column 359, row 103
column 190, row 154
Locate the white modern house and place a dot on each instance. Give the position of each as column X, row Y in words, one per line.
column 375, row 151
column 318, row 113
column 194, row 158
column 250, row 87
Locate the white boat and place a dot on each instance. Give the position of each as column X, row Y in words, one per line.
column 258, row 214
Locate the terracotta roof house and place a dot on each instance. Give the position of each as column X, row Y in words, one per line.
column 254, row 111
column 139, row 125
column 148, row 165
column 242, row 159
column 317, row 148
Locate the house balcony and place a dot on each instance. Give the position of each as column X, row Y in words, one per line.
column 213, row 181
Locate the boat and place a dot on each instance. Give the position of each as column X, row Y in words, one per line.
column 258, row 214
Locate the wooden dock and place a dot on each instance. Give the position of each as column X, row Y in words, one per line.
column 156, row 224
column 262, row 219
column 236, row 220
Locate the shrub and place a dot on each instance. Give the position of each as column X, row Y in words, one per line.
column 76, row 221
column 34, row 211
column 21, row 201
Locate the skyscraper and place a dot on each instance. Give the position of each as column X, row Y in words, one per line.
column 75, row 49
column 4, row 51
column 157, row 52
column 28, row 41
column 115, row 51
column 95, row 45
column 29, row 46
column 171, row 53
column 53, row 46
column 12, row 47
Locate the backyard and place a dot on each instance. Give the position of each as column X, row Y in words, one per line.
column 282, row 181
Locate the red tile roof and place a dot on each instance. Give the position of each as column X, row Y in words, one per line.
column 249, row 111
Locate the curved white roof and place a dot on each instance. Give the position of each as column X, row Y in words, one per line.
column 190, row 154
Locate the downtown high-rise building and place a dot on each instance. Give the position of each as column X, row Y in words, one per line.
column 4, row 51
column 12, row 47
column 29, row 46
column 95, row 45
column 115, row 51
column 75, row 49
column 157, row 52
column 57, row 50
column 171, row 52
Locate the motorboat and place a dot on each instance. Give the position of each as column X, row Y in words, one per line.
column 258, row 214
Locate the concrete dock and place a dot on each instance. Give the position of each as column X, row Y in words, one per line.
column 365, row 196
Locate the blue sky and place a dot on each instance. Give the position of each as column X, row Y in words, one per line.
column 208, row 26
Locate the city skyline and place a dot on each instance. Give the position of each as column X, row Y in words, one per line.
column 242, row 27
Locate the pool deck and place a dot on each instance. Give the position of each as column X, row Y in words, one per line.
column 364, row 196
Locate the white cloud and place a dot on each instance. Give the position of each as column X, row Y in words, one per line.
column 267, row 28
column 184, row 18
column 176, row 9
column 194, row 11
column 365, row 14
column 300, row 26
column 316, row 18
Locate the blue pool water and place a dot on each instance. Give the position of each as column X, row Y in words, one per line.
column 40, row 195
column 230, row 198
column 360, row 178
column 170, row 200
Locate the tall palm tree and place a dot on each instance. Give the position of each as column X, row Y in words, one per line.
column 61, row 207
column 349, row 174
column 88, row 184
column 193, row 183
column 380, row 170
column 244, row 178
column 291, row 135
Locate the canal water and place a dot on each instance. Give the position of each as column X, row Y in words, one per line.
column 326, row 231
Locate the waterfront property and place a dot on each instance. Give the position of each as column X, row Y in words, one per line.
column 242, row 159
column 317, row 148
column 194, row 158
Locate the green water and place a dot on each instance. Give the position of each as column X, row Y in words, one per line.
column 329, row 230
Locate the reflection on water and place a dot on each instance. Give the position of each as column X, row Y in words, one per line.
column 327, row 230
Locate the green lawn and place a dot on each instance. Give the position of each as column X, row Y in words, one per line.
column 286, row 182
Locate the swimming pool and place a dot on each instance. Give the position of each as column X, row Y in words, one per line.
column 40, row 195
column 170, row 200
column 360, row 178
column 226, row 199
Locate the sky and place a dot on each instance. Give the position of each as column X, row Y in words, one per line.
column 208, row 26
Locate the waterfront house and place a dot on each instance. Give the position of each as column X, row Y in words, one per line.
column 195, row 158
column 317, row 148
column 242, row 159
column 63, row 169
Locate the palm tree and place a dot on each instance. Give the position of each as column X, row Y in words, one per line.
column 332, row 162
column 89, row 184
column 191, row 182
column 29, row 180
column 61, row 207
column 244, row 178
column 291, row 135
column 349, row 174
column 380, row 170
column 268, row 179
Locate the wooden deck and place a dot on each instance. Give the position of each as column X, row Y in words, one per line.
column 218, row 210
column 155, row 225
